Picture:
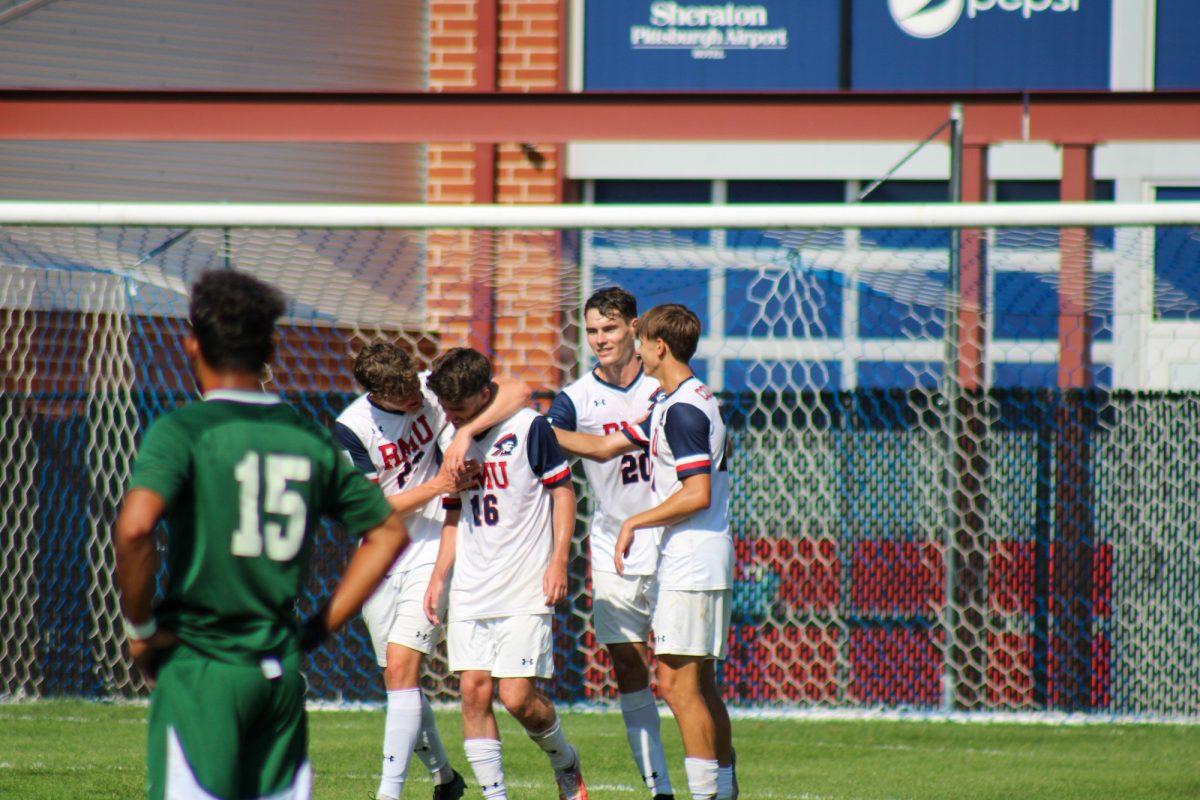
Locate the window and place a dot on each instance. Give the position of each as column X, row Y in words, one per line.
column 1177, row 263
column 783, row 303
column 652, row 192
column 903, row 305
column 905, row 238
column 1045, row 192
column 785, row 192
column 782, row 376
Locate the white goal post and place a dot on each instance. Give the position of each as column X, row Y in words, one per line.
column 964, row 435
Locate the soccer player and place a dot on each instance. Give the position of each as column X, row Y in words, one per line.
column 509, row 557
column 391, row 434
column 242, row 480
column 685, row 436
column 614, row 395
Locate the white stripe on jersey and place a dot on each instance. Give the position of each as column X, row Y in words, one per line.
column 398, row 451
column 697, row 552
column 621, row 487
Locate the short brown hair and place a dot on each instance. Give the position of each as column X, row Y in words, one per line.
column 676, row 325
column 384, row 369
column 460, row 373
column 612, row 301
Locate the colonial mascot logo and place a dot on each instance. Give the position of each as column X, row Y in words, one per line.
column 505, row 445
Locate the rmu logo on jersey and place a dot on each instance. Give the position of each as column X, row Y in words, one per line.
column 505, row 445
column 394, row 455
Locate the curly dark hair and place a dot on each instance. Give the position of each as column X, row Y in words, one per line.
column 460, row 373
column 612, row 301
column 383, row 368
column 233, row 318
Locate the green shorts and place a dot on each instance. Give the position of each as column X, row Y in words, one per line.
column 228, row 731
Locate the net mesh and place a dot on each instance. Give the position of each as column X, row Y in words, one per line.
column 970, row 489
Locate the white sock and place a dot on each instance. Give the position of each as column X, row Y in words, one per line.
column 725, row 783
column 400, row 729
column 701, row 777
column 484, row 758
column 555, row 745
column 643, row 730
column 429, row 747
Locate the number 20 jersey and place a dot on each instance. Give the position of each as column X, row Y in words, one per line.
column 621, row 486
column 504, row 531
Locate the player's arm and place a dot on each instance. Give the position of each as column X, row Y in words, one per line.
column 554, row 582
column 162, row 470
column 686, row 429
column 447, row 550
column 377, row 551
column 597, row 448
column 445, row 482
column 509, row 397
column 137, row 562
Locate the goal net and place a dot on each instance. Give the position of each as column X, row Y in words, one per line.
column 965, row 438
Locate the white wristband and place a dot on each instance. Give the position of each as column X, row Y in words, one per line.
column 139, row 631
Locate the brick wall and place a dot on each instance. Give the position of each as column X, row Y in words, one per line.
column 524, row 266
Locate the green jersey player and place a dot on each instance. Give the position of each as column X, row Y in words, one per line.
column 242, row 481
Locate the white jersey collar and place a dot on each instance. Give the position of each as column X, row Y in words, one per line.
column 243, row 396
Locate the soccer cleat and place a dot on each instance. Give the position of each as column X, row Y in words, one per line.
column 570, row 782
column 451, row 789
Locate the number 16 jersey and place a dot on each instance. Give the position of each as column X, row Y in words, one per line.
column 504, row 532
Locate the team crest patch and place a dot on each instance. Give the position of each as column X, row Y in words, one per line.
column 704, row 392
column 505, row 446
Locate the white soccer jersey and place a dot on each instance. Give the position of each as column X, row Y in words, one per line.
column 397, row 451
column 621, row 486
column 685, row 436
column 504, row 534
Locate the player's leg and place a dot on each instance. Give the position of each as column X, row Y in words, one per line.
column 471, row 649
column 690, row 628
column 274, row 761
column 401, row 632
column 523, row 653
column 621, row 612
column 726, row 780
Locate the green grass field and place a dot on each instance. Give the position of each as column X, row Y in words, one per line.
column 62, row 749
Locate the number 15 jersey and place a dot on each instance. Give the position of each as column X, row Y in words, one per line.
column 245, row 481
column 504, row 533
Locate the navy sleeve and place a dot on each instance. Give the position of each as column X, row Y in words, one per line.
column 562, row 413
column 687, row 430
column 546, row 458
column 353, row 446
column 639, row 432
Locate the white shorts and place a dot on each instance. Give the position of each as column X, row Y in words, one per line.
column 507, row 647
column 395, row 613
column 621, row 606
column 692, row 623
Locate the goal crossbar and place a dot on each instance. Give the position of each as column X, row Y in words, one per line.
column 313, row 215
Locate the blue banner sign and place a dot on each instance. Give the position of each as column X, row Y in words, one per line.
column 1177, row 56
column 668, row 45
column 980, row 44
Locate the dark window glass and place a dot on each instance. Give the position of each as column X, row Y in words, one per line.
column 653, row 287
column 638, row 191
column 782, row 376
column 903, row 305
column 908, row 192
column 783, row 303
column 785, row 192
column 1045, row 192
column 1177, row 262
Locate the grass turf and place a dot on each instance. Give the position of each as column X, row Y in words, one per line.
column 56, row 749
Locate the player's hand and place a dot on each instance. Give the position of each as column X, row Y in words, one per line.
column 554, row 582
column 455, row 457
column 147, row 654
column 433, row 598
column 451, row 482
column 314, row 631
column 623, row 546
